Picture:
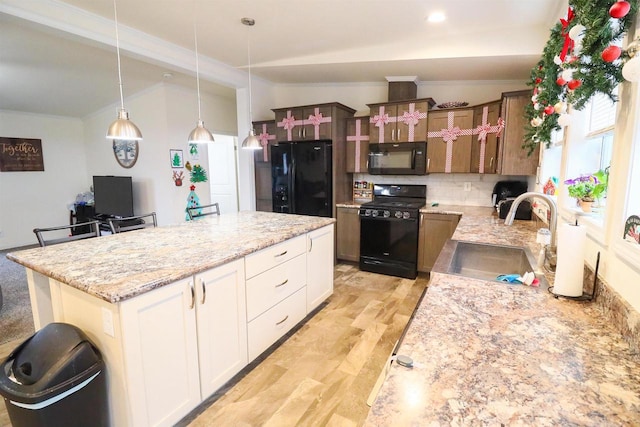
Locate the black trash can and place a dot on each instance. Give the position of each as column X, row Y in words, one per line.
column 55, row 378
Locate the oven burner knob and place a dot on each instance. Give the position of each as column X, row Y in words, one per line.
column 367, row 212
column 386, row 214
column 398, row 214
column 374, row 213
column 406, row 215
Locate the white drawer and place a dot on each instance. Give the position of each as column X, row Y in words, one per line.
column 269, row 257
column 267, row 328
column 269, row 288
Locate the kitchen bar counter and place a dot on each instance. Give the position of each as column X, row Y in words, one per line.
column 121, row 266
column 488, row 353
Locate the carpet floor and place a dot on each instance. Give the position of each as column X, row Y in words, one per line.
column 16, row 320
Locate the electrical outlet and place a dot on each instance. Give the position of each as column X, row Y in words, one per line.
column 467, row 186
column 107, row 322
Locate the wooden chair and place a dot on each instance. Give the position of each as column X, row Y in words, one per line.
column 204, row 210
column 120, row 225
column 77, row 232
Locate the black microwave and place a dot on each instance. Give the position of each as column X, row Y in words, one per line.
column 407, row 158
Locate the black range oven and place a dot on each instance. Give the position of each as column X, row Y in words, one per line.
column 389, row 227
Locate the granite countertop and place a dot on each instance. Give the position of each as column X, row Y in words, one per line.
column 488, row 353
column 121, row 266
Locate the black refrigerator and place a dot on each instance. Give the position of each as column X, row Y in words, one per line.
column 301, row 178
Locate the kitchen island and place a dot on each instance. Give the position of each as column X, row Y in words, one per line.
column 490, row 353
column 178, row 310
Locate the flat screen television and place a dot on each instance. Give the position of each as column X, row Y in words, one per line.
column 113, row 195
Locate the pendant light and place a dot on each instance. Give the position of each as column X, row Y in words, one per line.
column 199, row 134
column 122, row 128
column 251, row 142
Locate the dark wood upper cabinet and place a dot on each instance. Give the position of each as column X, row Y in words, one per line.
column 484, row 148
column 404, row 121
column 512, row 158
column 449, row 141
column 310, row 123
column 357, row 144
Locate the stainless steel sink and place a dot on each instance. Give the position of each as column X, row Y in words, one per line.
column 485, row 261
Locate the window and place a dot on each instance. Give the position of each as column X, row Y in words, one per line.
column 632, row 207
column 592, row 146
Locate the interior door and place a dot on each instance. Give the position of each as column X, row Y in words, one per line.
column 223, row 178
column 312, row 178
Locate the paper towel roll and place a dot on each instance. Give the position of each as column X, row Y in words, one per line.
column 570, row 262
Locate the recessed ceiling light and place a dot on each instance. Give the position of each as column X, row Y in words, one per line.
column 167, row 75
column 436, row 17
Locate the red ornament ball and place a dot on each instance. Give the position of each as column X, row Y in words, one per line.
column 548, row 110
column 619, row 9
column 574, row 84
column 561, row 82
column 538, row 80
column 611, row 53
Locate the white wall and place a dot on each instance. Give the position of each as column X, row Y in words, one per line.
column 39, row 199
column 358, row 95
column 165, row 115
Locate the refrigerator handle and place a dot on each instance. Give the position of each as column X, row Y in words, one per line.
column 292, row 184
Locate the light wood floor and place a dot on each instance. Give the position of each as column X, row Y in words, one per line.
column 323, row 373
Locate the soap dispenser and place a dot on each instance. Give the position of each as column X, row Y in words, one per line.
column 543, row 238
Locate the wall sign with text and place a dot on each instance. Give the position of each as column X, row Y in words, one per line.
column 21, row 155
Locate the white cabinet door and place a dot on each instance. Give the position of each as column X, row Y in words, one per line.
column 161, row 354
column 222, row 325
column 319, row 266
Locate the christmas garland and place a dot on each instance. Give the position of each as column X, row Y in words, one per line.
column 579, row 60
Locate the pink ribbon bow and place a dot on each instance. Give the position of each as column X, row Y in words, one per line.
column 289, row 123
column 379, row 120
column 264, row 138
column 315, row 119
column 451, row 134
column 411, row 118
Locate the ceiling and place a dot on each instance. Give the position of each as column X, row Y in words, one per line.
column 58, row 57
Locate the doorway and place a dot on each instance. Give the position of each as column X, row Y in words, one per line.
column 223, row 176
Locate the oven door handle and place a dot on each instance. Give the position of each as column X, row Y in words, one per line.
column 382, row 218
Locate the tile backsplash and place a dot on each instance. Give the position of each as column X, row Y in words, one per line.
column 449, row 189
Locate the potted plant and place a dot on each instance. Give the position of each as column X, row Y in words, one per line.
column 588, row 188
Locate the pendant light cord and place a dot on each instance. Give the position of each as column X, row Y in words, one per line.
column 115, row 14
column 195, row 36
column 249, row 60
